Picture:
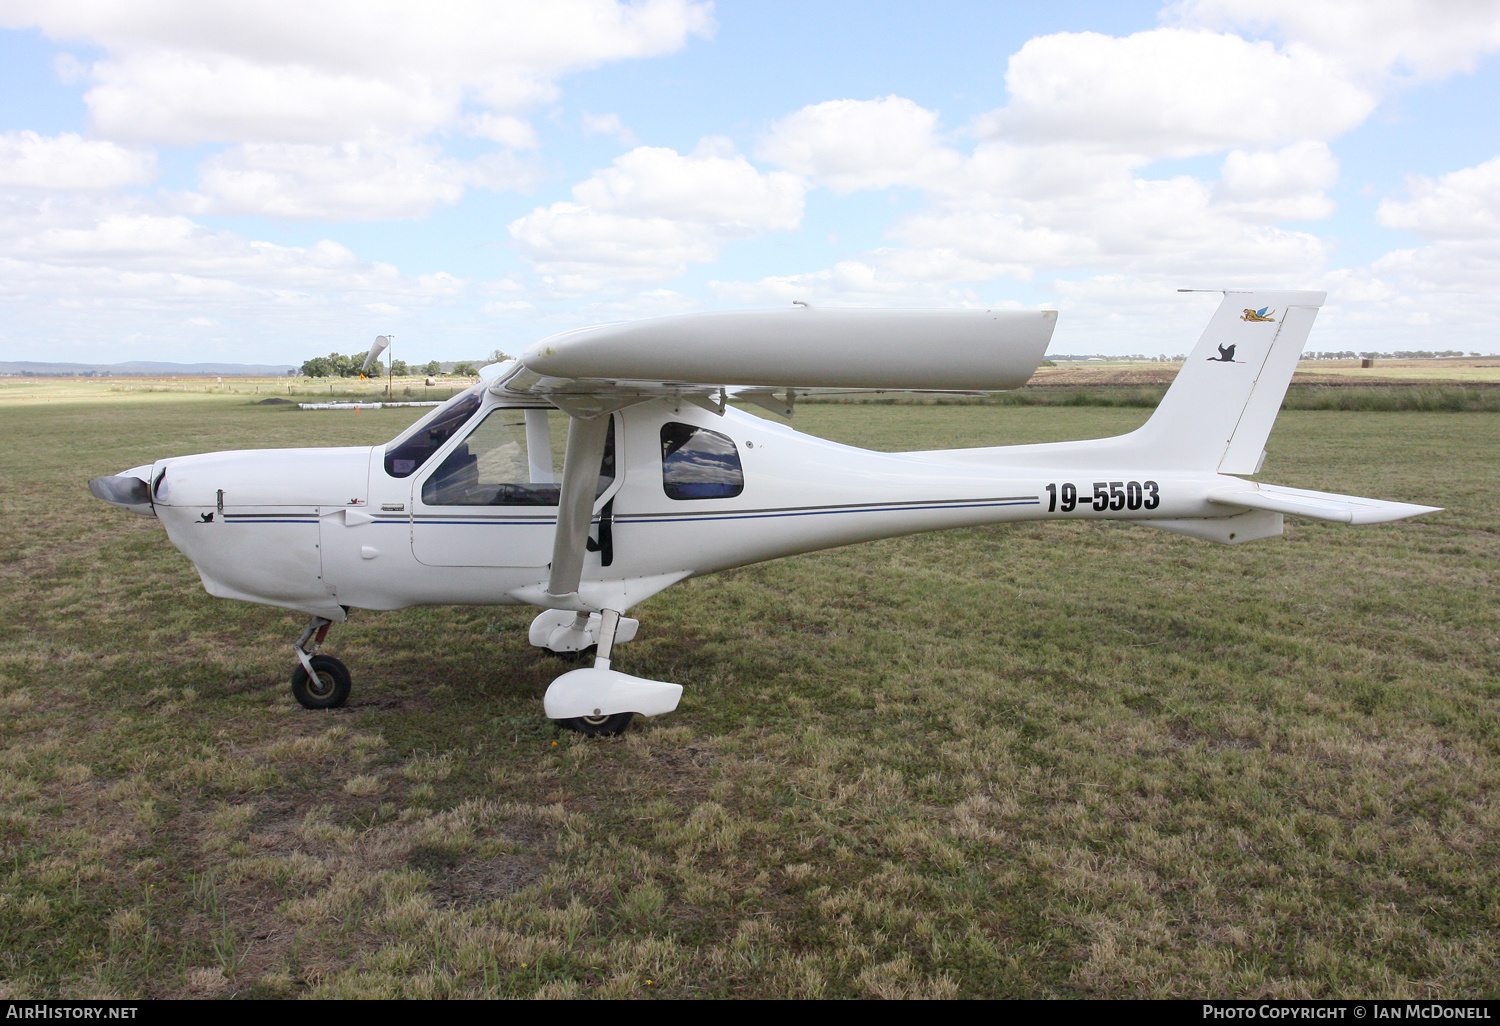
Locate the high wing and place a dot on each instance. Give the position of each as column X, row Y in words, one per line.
column 750, row 352
column 593, row 371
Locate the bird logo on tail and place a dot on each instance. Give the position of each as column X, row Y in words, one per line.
column 1263, row 314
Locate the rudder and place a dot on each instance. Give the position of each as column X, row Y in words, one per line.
column 1223, row 403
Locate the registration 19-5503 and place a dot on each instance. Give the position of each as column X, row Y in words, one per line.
column 1107, row 495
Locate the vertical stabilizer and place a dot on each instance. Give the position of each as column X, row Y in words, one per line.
column 1220, row 409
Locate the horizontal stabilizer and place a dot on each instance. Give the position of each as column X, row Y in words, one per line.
column 1342, row 509
column 803, row 347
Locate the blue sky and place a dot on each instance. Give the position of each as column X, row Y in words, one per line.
column 194, row 181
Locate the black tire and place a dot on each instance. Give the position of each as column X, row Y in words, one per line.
column 575, row 657
column 331, row 688
column 598, row 726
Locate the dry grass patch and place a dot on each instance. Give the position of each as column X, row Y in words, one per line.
column 1073, row 760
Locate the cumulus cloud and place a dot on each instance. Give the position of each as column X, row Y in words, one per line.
column 1131, row 225
column 1440, row 295
column 1463, row 204
column 847, row 283
column 1417, row 38
column 711, row 185
column 860, row 144
column 505, row 129
column 1124, row 313
column 508, row 308
column 1409, row 299
column 67, row 161
column 103, row 283
column 1448, row 284
column 1018, row 209
column 644, row 303
column 137, row 244
column 162, row 96
column 1281, row 185
column 345, row 181
column 176, row 71
column 654, row 212
column 608, row 124
column 333, row 110
column 999, row 173
column 1173, row 93
column 1059, row 180
column 346, row 111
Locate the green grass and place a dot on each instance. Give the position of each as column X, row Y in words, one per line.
column 1065, row 760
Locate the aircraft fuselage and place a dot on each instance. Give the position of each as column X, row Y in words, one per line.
column 317, row 530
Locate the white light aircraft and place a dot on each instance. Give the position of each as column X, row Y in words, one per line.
column 661, row 479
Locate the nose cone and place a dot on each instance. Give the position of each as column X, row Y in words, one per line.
column 130, row 490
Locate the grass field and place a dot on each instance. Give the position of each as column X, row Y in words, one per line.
column 110, row 390
column 1066, row 760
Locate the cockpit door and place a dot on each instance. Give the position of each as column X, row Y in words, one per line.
column 492, row 498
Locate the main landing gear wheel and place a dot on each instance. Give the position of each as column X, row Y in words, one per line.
column 598, row 726
column 329, row 689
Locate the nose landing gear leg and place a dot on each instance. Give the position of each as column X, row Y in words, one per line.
column 602, row 724
column 601, row 701
column 319, row 681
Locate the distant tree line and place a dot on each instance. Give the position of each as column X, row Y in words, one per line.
column 1348, row 354
column 337, row 365
column 1140, row 357
column 1399, row 354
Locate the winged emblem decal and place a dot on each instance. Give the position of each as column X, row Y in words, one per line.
column 1263, row 314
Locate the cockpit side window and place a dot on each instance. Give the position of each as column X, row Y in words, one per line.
column 697, row 463
column 403, row 457
column 514, row 457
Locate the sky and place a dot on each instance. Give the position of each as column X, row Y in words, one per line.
column 189, row 180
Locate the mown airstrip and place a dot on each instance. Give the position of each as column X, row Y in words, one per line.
column 1052, row 760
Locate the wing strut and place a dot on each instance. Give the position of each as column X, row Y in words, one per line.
column 584, row 695
column 575, row 504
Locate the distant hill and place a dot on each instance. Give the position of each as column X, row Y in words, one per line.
column 142, row 368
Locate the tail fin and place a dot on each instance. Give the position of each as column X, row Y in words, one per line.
column 1220, row 409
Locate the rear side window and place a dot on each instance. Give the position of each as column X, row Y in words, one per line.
column 403, row 459
column 697, row 463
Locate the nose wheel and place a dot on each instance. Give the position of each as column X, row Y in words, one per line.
column 599, row 702
column 326, row 688
column 598, row 726
column 319, row 681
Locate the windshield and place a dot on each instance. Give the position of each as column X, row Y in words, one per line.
column 426, row 436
